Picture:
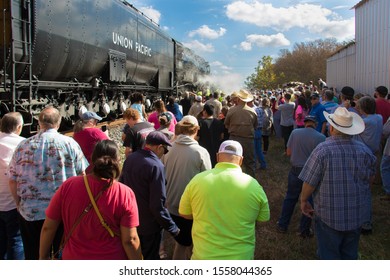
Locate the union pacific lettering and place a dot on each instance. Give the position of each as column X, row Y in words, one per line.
column 127, row 43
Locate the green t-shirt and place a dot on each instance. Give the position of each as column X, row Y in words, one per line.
column 225, row 204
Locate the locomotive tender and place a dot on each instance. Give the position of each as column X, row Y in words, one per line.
column 80, row 55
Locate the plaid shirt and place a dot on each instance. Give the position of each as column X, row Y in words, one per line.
column 340, row 169
column 260, row 113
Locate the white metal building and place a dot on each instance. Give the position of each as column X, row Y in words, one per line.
column 364, row 64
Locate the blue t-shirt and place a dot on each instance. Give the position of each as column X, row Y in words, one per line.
column 318, row 111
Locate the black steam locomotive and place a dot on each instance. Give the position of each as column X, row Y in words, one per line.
column 82, row 55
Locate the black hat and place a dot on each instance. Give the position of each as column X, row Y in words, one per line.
column 348, row 92
column 157, row 138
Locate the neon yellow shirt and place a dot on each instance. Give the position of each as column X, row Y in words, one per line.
column 225, row 204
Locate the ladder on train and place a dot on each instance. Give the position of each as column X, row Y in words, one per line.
column 21, row 38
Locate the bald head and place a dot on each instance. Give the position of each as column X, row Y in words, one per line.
column 49, row 118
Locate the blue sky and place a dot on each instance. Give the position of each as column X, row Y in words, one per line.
column 233, row 35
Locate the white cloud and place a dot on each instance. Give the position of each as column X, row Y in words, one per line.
column 206, row 32
column 276, row 40
column 151, row 13
column 315, row 18
column 198, row 46
column 220, row 67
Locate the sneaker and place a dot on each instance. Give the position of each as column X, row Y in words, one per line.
column 280, row 229
column 366, row 228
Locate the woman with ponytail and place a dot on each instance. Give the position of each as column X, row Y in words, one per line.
column 86, row 235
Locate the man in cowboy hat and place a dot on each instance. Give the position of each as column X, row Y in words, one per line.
column 338, row 174
column 241, row 121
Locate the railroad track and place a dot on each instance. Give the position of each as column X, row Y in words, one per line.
column 101, row 125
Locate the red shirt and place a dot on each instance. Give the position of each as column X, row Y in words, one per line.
column 90, row 240
column 383, row 108
column 87, row 139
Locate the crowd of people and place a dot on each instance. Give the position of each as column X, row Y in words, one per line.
column 192, row 170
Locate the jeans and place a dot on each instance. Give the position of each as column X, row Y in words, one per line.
column 294, row 189
column 336, row 245
column 259, row 156
column 11, row 245
column 385, row 172
column 150, row 245
column 286, row 132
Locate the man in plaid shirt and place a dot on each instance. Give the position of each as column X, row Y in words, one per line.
column 338, row 174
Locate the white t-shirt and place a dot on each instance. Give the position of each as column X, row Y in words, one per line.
column 8, row 144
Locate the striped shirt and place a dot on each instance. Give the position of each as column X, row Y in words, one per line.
column 340, row 169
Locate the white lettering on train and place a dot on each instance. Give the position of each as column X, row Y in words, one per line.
column 127, row 43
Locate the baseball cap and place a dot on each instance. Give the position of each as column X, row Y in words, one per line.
column 90, row 115
column 310, row 118
column 157, row 138
column 315, row 95
column 165, row 117
column 231, row 147
column 188, row 121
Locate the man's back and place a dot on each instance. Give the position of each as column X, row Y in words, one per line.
column 40, row 165
column 225, row 204
column 302, row 142
column 241, row 120
column 340, row 169
column 8, row 144
column 185, row 159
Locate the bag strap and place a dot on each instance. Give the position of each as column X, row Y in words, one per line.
column 102, row 221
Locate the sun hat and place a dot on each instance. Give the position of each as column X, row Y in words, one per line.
column 231, row 147
column 189, row 121
column 245, row 96
column 90, row 115
column 345, row 121
column 157, row 138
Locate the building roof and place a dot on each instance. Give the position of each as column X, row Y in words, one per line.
column 360, row 4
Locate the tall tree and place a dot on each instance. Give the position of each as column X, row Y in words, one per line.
column 264, row 76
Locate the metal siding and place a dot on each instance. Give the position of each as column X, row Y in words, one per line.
column 369, row 67
column 339, row 67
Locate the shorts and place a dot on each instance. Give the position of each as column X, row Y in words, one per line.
column 184, row 238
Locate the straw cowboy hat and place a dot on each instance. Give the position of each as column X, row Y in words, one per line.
column 245, row 96
column 346, row 122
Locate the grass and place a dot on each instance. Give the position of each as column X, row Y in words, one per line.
column 271, row 245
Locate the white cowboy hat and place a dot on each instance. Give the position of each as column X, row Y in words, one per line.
column 345, row 121
column 245, row 96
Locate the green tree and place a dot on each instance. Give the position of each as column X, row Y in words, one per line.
column 264, row 76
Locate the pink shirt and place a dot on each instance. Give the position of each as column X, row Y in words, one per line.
column 90, row 240
column 153, row 118
column 299, row 120
column 87, row 139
